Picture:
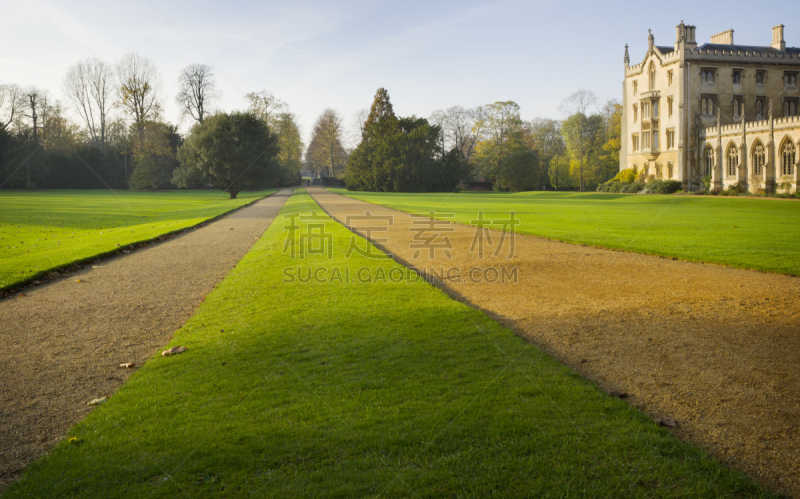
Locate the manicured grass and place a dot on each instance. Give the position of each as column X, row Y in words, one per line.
column 41, row 231
column 762, row 234
column 347, row 389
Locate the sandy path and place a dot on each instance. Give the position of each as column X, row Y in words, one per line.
column 716, row 348
column 63, row 341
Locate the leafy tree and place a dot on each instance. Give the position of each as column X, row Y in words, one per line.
column 559, row 174
column 266, row 107
column 520, row 171
column 578, row 131
column 402, row 155
column 381, row 109
column 234, row 151
column 608, row 154
column 154, row 157
column 275, row 113
column 58, row 132
column 290, row 144
column 544, row 136
column 326, row 155
column 502, row 129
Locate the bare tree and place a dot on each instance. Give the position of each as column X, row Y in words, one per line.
column 357, row 126
column 438, row 118
column 578, row 102
column 139, row 88
column 89, row 85
column 197, row 91
column 35, row 104
column 11, row 103
column 461, row 124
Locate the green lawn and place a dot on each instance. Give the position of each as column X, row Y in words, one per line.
column 346, row 389
column 761, row 234
column 41, row 231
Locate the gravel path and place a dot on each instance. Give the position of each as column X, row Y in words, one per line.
column 715, row 348
column 63, row 341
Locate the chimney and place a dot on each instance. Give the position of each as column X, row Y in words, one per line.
column 777, row 38
column 724, row 38
column 690, row 40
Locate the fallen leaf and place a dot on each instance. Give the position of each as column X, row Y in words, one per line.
column 667, row 422
column 173, row 351
column 619, row 395
column 21, row 295
column 127, row 365
column 78, row 280
column 101, row 400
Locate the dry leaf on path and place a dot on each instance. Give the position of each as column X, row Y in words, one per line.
column 619, row 395
column 101, row 400
column 173, row 351
column 127, row 365
column 667, row 422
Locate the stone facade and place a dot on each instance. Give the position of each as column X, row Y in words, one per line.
column 731, row 112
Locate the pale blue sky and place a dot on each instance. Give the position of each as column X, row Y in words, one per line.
column 318, row 54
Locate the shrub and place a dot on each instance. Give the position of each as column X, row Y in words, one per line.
column 633, row 187
column 605, row 186
column 627, row 176
column 736, row 189
column 707, row 182
column 663, row 187
column 617, row 186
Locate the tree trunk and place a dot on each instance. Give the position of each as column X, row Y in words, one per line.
column 234, row 190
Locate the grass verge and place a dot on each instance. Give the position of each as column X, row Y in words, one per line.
column 761, row 234
column 46, row 230
column 368, row 385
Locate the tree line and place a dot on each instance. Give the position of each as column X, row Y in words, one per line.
column 111, row 132
column 490, row 145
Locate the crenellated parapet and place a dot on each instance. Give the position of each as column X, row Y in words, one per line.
column 778, row 124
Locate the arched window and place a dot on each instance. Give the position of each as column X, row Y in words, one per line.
column 759, row 158
column 733, row 160
column 787, row 158
column 709, row 160
column 652, row 76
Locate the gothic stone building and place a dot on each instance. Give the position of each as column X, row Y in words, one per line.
column 721, row 110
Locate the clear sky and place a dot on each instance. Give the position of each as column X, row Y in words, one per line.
column 319, row 54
